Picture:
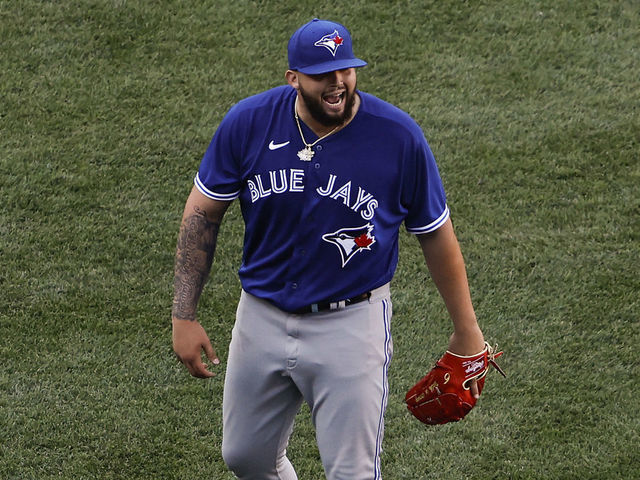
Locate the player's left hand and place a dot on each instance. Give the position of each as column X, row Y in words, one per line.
column 444, row 394
column 467, row 343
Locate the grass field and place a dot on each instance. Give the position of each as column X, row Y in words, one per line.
column 106, row 107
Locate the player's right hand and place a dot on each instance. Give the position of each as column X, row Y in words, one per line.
column 189, row 340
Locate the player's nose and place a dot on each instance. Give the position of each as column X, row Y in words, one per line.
column 337, row 77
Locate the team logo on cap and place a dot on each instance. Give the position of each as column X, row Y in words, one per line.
column 351, row 241
column 331, row 42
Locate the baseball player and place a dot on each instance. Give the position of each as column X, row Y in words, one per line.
column 325, row 175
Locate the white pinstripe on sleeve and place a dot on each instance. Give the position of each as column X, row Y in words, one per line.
column 437, row 223
column 225, row 197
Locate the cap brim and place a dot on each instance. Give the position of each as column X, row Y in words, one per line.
column 332, row 66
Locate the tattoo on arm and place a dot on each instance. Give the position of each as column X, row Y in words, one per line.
column 196, row 245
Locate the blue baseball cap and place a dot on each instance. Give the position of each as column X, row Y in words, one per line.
column 321, row 46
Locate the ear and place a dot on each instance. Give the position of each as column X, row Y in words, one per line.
column 292, row 78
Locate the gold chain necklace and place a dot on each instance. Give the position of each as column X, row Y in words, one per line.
column 306, row 154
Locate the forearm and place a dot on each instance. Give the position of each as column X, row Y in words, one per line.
column 450, row 278
column 446, row 266
column 194, row 255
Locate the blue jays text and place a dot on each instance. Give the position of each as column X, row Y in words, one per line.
column 292, row 180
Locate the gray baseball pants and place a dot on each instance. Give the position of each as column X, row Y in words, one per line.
column 335, row 360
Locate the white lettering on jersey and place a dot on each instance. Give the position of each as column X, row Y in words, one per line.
column 253, row 190
column 263, row 193
column 363, row 198
column 369, row 212
column 283, row 181
column 296, row 180
column 327, row 190
column 343, row 192
column 279, row 181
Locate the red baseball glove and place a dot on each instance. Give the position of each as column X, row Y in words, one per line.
column 443, row 395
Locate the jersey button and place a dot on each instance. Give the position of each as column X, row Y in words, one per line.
column 319, row 147
column 317, row 165
column 294, row 285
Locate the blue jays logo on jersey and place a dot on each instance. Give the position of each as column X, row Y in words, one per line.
column 331, row 42
column 351, row 241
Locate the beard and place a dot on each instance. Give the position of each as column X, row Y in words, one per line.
column 319, row 114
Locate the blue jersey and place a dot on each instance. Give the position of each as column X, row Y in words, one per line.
column 325, row 229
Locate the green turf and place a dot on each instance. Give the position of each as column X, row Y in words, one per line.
column 106, row 108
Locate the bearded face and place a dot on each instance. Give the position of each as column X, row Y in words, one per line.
column 332, row 108
column 329, row 97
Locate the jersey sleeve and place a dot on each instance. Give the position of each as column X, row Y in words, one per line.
column 219, row 176
column 425, row 197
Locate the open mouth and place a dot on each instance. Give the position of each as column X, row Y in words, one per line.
column 334, row 99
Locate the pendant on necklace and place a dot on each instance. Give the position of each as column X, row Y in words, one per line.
column 306, row 154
